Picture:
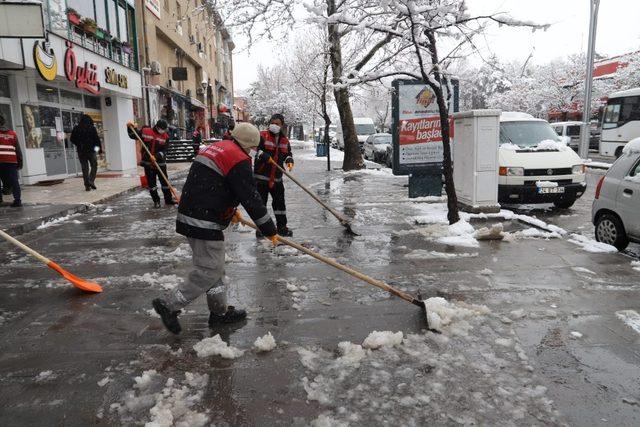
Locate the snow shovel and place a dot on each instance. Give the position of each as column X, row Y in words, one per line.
column 343, row 221
column 155, row 164
column 370, row 280
column 75, row 280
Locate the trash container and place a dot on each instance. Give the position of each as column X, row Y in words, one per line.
column 321, row 150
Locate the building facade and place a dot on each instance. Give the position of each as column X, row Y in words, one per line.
column 88, row 64
column 241, row 109
column 186, row 58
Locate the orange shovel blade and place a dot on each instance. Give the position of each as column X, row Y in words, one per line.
column 75, row 280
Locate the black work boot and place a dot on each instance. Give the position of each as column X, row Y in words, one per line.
column 156, row 204
column 16, row 204
column 285, row 232
column 169, row 318
column 231, row 316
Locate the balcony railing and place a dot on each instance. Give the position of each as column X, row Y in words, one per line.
column 103, row 46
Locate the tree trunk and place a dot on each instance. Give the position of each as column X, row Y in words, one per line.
column 352, row 155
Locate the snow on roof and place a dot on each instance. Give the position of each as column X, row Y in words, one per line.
column 514, row 116
column 566, row 123
column 632, row 147
column 624, row 93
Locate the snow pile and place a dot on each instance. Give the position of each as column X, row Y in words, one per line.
column 157, row 280
column 532, row 233
column 495, row 232
column 164, row 403
column 56, row 221
column 635, row 265
column 479, row 379
column 546, row 184
column 377, row 339
column 550, row 144
column 583, row 270
column 45, row 376
column 632, row 147
column 420, row 254
column 444, row 316
column 576, row 334
column 265, row 343
column 631, row 318
column 510, row 146
column 214, row 346
column 591, row 245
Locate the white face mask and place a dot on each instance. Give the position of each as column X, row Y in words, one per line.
column 273, row 128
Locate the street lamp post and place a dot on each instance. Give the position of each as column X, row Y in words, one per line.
column 586, row 112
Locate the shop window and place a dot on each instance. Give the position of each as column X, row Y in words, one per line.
column 4, row 87
column 47, row 93
column 92, row 102
column 5, row 111
column 70, row 98
column 83, row 7
column 113, row 17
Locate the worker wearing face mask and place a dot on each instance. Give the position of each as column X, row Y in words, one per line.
column 274, row 145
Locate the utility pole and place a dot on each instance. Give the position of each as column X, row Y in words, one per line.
column 586, row 112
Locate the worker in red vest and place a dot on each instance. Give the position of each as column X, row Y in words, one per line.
column 274, row 145
column 10, row 162
column 156, row 140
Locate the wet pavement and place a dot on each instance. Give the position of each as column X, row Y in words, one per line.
column 554, row 345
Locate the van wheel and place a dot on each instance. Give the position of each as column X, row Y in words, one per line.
column 564, row 203
column 610, row 230
column 618, row 152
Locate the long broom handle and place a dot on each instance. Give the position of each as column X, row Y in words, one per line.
column 153, row 160
column 335, row 213
column 344, row 268
column 24, row 247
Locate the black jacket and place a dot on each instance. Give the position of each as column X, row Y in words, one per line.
column 86, row 139
column 220, row 178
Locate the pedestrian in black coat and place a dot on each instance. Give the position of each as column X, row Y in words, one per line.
column 85, row 137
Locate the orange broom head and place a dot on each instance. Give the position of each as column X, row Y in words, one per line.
column 79, row 283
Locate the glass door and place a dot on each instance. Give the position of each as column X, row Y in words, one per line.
column 69, row 120
column 53, row 142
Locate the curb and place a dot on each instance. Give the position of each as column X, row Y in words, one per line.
column 33, row 225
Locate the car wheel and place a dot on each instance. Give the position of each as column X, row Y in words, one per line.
column 610, row 230
column 564, row 203
column 618, row 152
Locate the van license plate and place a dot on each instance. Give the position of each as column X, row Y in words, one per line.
column 550, row 190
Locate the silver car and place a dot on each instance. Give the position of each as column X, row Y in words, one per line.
column 616, row 208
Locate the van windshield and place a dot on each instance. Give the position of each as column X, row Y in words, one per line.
column 526, row 134
column 365, row 129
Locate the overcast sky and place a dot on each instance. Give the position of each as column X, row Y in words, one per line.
column 618, row 33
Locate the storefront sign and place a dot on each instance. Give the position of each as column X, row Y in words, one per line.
column 85, row 77
column 417, row 135
column 153, row 6
column 45, row 60
column 113, row 78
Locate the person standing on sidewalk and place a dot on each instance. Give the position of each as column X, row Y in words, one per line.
column 85, row 137
column 274, row 145
column 156, row 140
column 220, row 178
column 10, row 162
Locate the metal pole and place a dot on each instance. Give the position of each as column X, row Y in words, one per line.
column 586, row 111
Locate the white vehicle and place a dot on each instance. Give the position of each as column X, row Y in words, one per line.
column 620, row 121
column 376, row 147
column 364, row 127
column 617, row 203
column 536, row 165
column 570, row 130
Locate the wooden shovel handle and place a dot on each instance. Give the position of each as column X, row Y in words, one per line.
column 155, row 164
column 24, row 247
column 335, row 213
column 336, row 264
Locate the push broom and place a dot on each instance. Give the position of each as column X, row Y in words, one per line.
column 155, row 164
column 79, row 283
column 417, row 300
column 341, row 218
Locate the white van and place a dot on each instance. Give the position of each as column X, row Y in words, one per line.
column 536, row 165
column 364, row 127
column 571, row 130
column 620, row 121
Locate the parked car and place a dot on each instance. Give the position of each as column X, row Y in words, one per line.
column 616, row 209
column 389, row 157
column 375, row 147
column 571, row 130
column 535, row 164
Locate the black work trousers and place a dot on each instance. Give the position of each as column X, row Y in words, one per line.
column 152, row 180
column 89, row 165
column 277, row 200
column 9, row 177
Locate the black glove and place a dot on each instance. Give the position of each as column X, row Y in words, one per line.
column 263, row 156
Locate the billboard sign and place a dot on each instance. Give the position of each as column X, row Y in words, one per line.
column 417, row 137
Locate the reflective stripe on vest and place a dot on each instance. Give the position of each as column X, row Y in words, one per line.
column 8, row 142
column 200, row 223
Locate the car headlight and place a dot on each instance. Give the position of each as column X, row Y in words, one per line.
column 578, row 169
column 507, row 171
